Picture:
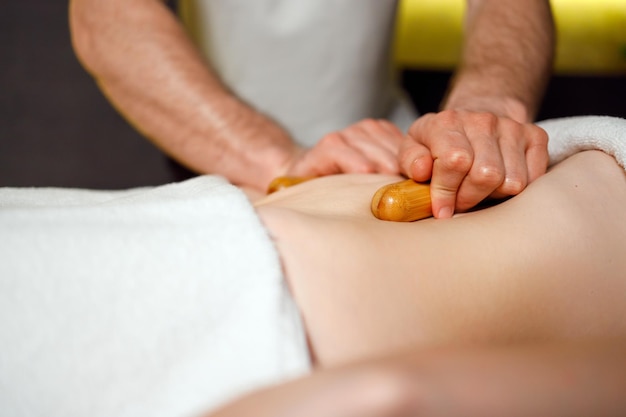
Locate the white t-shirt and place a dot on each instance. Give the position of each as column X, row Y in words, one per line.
column 315, row 66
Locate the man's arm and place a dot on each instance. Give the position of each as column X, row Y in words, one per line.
column 482, row 143
column 147, row 66
column 507, row 58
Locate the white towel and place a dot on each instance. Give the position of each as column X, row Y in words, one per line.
column 570, row 135
column 164, row 301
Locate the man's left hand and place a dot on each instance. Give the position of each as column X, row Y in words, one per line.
column 469, row 156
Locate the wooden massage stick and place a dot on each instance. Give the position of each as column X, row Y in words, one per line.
column 403, row 201
column 283, row 182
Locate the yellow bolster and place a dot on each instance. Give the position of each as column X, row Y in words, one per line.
column 591, row 35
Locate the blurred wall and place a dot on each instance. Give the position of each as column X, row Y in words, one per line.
column 56, row 128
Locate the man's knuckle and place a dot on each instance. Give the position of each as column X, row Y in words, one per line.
column 486, row 122
column 447, row 117
column 512, row 128
column 457, row 159
column 421, row 124
column 489, row 174
column 539, row 137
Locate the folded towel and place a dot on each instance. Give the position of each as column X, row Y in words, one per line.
column 570, row 135
column 163, row 301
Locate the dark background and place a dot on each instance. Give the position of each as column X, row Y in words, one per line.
column 56, row 128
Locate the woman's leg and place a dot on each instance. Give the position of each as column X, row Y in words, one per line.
column 545, row 265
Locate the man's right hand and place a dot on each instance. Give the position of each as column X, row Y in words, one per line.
column 368, row 146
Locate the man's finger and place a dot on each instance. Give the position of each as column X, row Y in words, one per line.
column 537, row 157
column 487, row 172
column 391, row 128
column 449, row 169
column 377, row 145
column 415, row 161
column 332, row 155
column 512, row 147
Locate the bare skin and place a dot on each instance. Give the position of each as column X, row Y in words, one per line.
column 526, row 318
column 547, row 379
column 149, row 69
column 525, row 270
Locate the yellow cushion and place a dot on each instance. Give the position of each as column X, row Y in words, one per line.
column 591, row 35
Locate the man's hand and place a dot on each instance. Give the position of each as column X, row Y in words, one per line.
column 469, row 156
column 482, row 143
column 364, row 147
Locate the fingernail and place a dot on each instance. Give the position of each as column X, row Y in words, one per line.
column 445, row 213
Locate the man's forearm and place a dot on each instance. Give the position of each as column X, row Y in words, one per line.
column 149, row 69
column 507, row 58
